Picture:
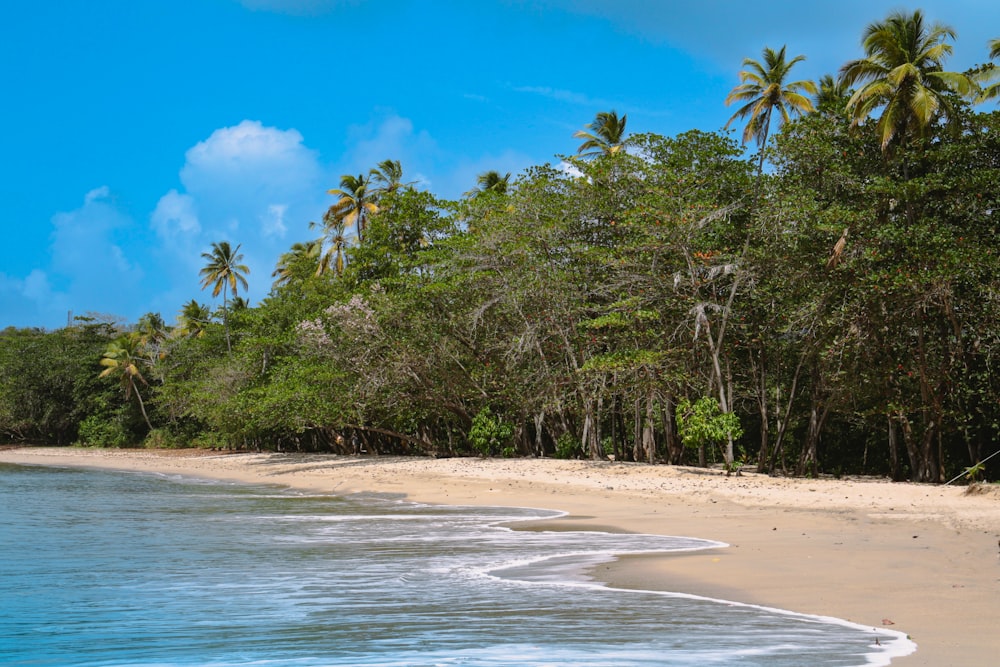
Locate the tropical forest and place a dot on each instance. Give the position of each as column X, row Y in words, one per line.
column 814, row 289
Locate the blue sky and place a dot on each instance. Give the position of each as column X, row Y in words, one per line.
column 137, row 133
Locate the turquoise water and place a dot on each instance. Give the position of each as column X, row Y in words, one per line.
column 102, row 568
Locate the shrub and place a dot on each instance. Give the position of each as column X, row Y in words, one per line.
column 567, row 447
column 489, row 433
column 98, row 431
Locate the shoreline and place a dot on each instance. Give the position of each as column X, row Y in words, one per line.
column 918, row 559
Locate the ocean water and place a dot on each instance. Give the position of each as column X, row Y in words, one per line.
column 104, row 568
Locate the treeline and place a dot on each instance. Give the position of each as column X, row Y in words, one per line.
column 659, row 299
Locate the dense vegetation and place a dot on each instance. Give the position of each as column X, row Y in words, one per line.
column 830, row 304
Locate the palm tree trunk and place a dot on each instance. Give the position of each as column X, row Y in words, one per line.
column 142, row 408
column 225, row 319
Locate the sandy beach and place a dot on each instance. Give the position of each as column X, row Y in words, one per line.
column 920, row 559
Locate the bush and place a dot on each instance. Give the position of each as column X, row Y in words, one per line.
column 567, row 447
column 488, row 433
column 161, row 438
column 97, row 431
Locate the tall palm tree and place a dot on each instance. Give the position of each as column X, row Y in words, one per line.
column 223, row 273
column 335, row 239
column 490, row 181
column 604, row 136
column 355, row 202
column 192, row 320
column 903, row 74
column 122, row 359
column 764, row 88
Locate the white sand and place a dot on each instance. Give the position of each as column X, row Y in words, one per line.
column 924, row 560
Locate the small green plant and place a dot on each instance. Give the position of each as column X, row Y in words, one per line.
column 489, row 433
column 972, row 473
column 608, row 446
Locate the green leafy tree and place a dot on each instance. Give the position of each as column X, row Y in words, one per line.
column 224, row 273
column 702, row 423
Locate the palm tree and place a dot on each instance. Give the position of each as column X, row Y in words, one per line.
column 152, row 332
column 990, row 74
column 763, row 89
column 289, row 266
column 354, row 204
column 903, row 74
column 121, row 359
column 604, row 136
column 335, row 237
column 490, row 181
column 223, row 273
column 388, row 174
column 192, row 320
column 832, row 96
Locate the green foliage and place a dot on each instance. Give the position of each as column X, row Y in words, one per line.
column 703, row 423
column 489, row 433
column 100, row 431
column 567, row 447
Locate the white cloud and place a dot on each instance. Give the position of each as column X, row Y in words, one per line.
column 273, row 223
column 88, row 268
column 250, row 160
column 175, row 217
column 249, row 184
column 390, row 137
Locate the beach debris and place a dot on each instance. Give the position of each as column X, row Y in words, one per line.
column 886, row 621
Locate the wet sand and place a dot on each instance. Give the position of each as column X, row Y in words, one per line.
column 920, row 559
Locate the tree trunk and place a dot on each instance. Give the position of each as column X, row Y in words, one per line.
column 142, row 408
column 675, row 448
column 539, row 442
column 648, row 438
column 894, row 469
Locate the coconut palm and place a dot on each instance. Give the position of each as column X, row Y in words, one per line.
column 990, row 74
column 903, row 74
column 122, row 359
column 388, row 175
column 354, row 204
column 192, row 320
column 224, row 273
column 290, row 264
column 490, row 181
column 152, row 332
column 764, row 89
column 832, row 95
column 604, row 136
column 335, row 239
